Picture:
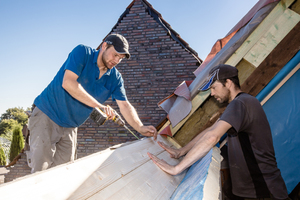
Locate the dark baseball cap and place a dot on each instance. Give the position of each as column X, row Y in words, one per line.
column 120, row 44
column 220, row 72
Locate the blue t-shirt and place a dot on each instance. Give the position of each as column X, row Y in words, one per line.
column 67, row 111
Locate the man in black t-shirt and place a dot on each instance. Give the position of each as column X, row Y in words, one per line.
column 251, row 156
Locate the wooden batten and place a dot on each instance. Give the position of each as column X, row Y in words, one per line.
column 121, row 172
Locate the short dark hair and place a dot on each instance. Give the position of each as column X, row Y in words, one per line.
column 234, row 79
column 108, row 45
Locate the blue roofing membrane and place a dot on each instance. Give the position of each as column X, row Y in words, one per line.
column 191, row 187
column 283, row 113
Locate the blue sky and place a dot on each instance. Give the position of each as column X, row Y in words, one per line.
column 37, row 36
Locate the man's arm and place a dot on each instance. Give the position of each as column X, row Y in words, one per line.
column 133, row 119
column 177, row 153
column 201, row 147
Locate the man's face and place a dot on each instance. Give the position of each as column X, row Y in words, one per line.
column 220, row 92
column 111, row 58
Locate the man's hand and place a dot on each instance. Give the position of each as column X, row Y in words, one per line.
column 163, row 165
column 108, row 111
column 174, row 153
column 149, row 131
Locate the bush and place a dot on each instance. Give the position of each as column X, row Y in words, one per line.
column 17, row 143
column 2, row 156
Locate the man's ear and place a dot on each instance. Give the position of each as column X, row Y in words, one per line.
column 104, row 45
column 228, row 83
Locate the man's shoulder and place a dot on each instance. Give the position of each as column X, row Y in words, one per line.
column 245, row 96
column 81, row 48
column 248, row 101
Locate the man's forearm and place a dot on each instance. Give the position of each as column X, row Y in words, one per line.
column 184, row 150
column 199, row 150
column 209, row 138
column 131, row 116
column 79, row 93
column 75, row 89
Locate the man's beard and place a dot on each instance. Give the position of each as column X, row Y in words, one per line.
column 104, row 63
column 226, row 99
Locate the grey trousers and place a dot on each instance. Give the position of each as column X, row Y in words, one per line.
column 50, row 144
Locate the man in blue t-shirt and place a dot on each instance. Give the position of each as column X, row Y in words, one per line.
column 85, row 81
column 251, row 157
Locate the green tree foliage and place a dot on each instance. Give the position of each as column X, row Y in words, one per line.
column 2, row 156
column 17, row 143
column 11, row 118
column 6, row 127
column 17, row 114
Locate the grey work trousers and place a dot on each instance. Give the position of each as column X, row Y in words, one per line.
column 50, row 144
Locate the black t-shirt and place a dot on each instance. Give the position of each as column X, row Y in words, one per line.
column 251, row 156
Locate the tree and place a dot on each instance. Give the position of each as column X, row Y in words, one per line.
column 2, row 156
column 11, row 118
column 6, row 127
column 17, row 114
column 17, row 143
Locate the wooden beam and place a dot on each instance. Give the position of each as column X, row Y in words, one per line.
column 256, row 35
column 296, row 7
column 274, row 62
column 279, row 29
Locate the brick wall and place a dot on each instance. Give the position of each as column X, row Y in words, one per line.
column 20, row 169
column 158, row 64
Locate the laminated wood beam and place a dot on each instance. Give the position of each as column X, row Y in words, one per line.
column 274, row 62
column 257, row 34
column 279, row 29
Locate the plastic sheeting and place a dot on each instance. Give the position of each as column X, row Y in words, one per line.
column 283, row 113
column 191, row 187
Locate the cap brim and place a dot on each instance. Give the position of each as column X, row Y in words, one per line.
column 127, row 54
column 206, row 85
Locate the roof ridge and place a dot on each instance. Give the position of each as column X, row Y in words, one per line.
column 158, row 18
